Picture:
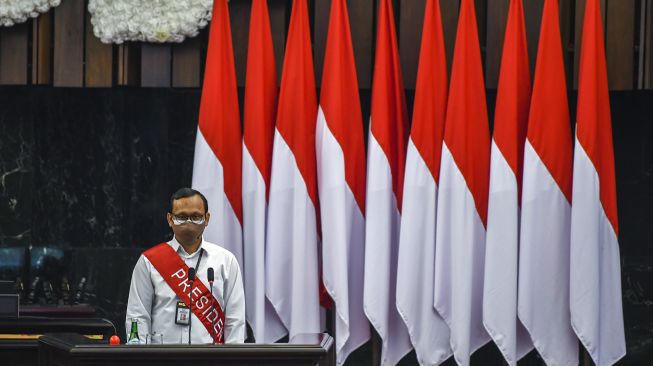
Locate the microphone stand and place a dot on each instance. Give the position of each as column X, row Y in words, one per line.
column 191, row 279
column 212, row 309
column 211, row 278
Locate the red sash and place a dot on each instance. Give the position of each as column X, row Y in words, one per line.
column 175, row 272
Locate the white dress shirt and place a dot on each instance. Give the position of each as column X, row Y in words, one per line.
column 154, row 303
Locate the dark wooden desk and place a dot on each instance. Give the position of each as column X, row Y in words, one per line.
column 67, row 349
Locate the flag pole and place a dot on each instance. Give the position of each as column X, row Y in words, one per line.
column 585, row 359
column 376, row 347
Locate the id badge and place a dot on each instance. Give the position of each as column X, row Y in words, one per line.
column 182, row 316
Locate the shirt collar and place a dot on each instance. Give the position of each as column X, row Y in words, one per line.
column 180, row 250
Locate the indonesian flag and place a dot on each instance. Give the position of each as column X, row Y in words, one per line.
column 596, row 312
column 462, row 196
column 429, row 333
column 341, row 182
column 291, row 262
column 217, row 164
column 506, row 162
column 260, row 110
column 385, row 174
column 543, row 299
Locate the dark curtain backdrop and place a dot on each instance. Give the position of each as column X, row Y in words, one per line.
column 91, row 171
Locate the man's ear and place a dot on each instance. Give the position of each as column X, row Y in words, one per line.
column 169, row 219
column 208, row 216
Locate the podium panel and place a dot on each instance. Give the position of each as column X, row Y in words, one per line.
column 19, row 336
column 68, row 349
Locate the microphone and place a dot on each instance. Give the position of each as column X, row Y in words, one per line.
column 191, row 279
column 33, row 291
column 47, row 292
column 65, row 291
column 79, row 294
column 211, row 277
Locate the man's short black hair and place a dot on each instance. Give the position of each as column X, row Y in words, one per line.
column 188, row 192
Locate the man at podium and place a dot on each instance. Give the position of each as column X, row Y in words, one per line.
column 187, row 289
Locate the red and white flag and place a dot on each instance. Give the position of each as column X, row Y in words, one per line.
column 596, row 311
column 386, row 152
column 543, row 292
column 429, row 334
column 260, row 112
column 217, row 164
column 462, row 195
column 506, row 162
column 341, row 182
column 291, row 262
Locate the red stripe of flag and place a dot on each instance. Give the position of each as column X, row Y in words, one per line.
column 340, row 100
column 549, row 131
column 467, row 134
column 219, row 119
column 260, row 91
column 297, row 99
column 389, row 114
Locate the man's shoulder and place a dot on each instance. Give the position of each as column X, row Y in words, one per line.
column 155, row 248
column 213, row 248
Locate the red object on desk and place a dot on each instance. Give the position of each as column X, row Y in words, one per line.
column 114, row 340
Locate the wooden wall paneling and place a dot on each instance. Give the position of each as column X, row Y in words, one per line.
column 620, row 44
column 69, row 44
column 645, row 72
column 497, row 15
column 66, row 53
column 99, row 59
column 481, row 23
column 449, row 10
column 13, row 54
column 239, row 13
column 604, row 10
column 411, row 23
column 533, row 19
column 156, row 65
column 122, row 71
column 320, row 31
column 361, row 22
column 42, row 29
column 641, row 41
column 129, row 64
column 279, row 16
column 578, row 30
column 186, row 63
column 567, row 37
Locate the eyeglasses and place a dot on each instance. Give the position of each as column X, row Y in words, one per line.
column 182, row 219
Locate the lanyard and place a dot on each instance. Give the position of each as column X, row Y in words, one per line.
column 197, row 265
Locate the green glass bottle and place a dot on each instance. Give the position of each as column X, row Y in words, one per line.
column 133, row 333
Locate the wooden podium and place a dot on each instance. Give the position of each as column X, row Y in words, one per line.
column 69, row 349
column 19, row 336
